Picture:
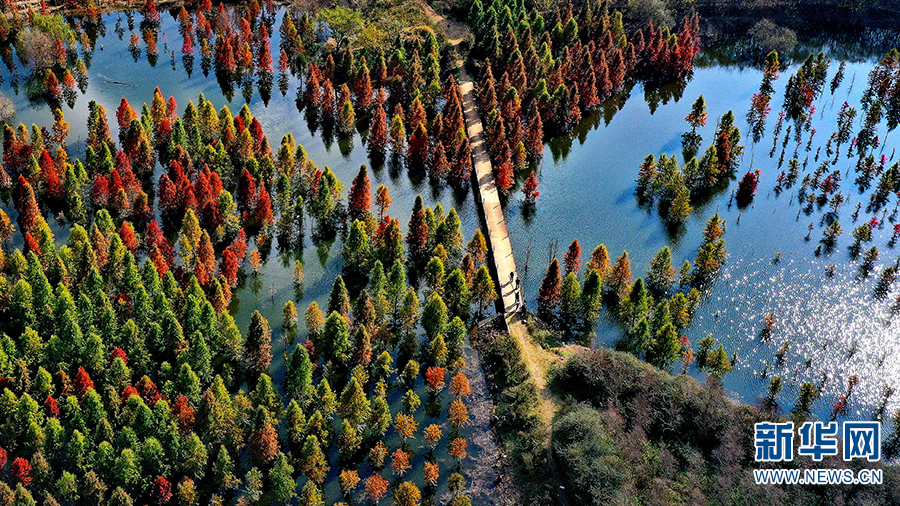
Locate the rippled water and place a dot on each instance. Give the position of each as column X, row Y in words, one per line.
column 587, row 192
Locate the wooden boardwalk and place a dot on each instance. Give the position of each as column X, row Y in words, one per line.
column 489, row 200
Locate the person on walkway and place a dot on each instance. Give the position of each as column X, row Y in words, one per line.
column 511, row 276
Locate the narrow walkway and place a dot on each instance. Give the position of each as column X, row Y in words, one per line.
column 483, row 180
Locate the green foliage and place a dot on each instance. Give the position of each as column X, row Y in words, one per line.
column 629, row 429
column 517, row 406
column 434, row 316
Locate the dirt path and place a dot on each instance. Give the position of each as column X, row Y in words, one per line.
column 539, row 362
column 454, row 30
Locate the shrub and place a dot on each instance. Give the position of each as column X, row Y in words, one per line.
column 767, row 37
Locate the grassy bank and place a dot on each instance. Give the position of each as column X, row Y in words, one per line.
column 631, row 434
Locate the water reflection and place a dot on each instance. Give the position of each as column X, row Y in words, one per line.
column 833, row 315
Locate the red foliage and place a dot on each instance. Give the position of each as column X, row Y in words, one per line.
column 378, row 131
column 530, row 189
column 148, row 391
column 122, row 165
column 534, row 136
column 434, row 377
column 82, row 382
column 263, row 443
column 150, row 12
column 161, row 491
column 461, row 170
column 284, row 63
column 228, row 266
column 184, row 413
column 115, row 182
column 51, row 408
column 124, row 114
column 26, row 204
column 155, row 237
column 363, row 90
column 21, row 471
column 262, row 212
column 328, row 99
column 187, row 45
column 126, row 233
column 128, row 392
column 548, row 295
column 172, row 108
column 168, row 193
column 723, row 152
column 246, row 191
column 747, row 187
column 573, row 257
column 504, row 173
column 417, row 235
column 313, row 94
column 264, row 61
column 360, row 199
column 163, row 132
column 258, row 135
column 59, row 52
column 52, row 84
column 118, row 353
column 239, row 245
column 31, row 245
column 53, row 189
column 438, row 166
column 417, row 147
column 2, row 458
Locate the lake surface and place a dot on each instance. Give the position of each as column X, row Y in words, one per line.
column 587, row 192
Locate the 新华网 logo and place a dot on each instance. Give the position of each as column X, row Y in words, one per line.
column 774, row 441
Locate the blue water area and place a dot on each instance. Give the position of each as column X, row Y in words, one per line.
column 834, row 326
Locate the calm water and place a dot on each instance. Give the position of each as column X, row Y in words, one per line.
column 586, row 186
column 836, row 323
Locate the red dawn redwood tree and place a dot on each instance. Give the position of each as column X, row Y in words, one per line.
column 363, row 90
column 438, row 165
column 573, row 257
column 378, row 132
column 359, row 199
column 417, row 149
column 530, row 189
column 82, row 382
column 504, row 172
column 21, row 471
column 160, row 491
column 548, row 295
column 26, row 205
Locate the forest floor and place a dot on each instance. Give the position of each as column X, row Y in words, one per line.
column 484, row 455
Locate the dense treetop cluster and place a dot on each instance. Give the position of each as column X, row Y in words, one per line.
column 125, row 379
